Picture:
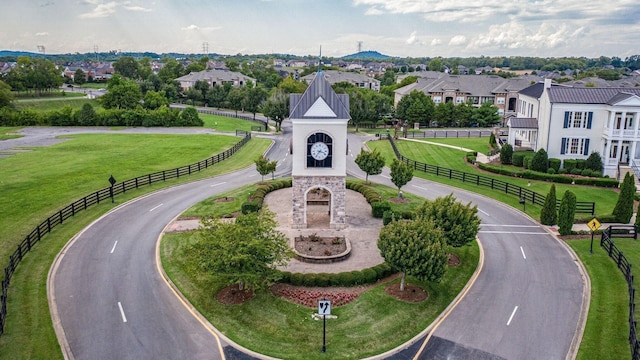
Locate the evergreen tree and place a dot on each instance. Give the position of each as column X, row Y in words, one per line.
column 594, row 162
column 505, row 154
column 540, row 161
column 623, row 210
column 401, row 174
column 549, row 214
column 460, row 223
column 566, row 213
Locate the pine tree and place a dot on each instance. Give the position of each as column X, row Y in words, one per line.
column 505, row 154
column 623, row 210
column 549, row 214
column 566, row 213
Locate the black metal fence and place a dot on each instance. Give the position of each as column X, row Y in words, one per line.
column 625, row 268
column 264, row 123
column 467, row 133
column 101, row 195
column 523, row 194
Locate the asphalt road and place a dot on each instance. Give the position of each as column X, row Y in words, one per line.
column 113, row 304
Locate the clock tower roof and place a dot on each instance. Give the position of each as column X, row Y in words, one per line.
column 319, row 101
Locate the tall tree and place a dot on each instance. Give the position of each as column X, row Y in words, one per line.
column 245, row 252
column 506, row 153
column 459, row 223
column 623, row 211
column 549, row 213
column 401, row 174
column 486, row 115
column 253, row 98
column 79, row 76
column 127, row 67
column 371, row 162
column 6, row 96
column 277, row 107
column 264, row 166
column 234, row 98
column 122, row 94
column 87, row 115
column 415, row 248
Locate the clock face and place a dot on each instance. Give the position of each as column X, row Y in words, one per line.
column 319, row 151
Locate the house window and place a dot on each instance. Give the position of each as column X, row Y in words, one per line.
column 578, row 119
column 459, row 99
column 500, row 100
column 574, row 146
column 437, row 99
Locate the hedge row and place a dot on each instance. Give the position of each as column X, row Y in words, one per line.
column 561, row 179
column 67, row 116
column 391, row 215
column 369, row 194
column 352, row 278
column 257, row 198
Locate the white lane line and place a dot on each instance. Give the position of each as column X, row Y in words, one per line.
column 388, row 177
column 419, row 187
column 520, row 226
column 513, row 232
column 484, row 212
column 218, row 184
column 522, row 251
column 124, row 318
column 114, row 247
column 512, row 314
column 156, row 207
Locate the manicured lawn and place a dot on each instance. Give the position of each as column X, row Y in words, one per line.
column 29, row 332
column 606, row 331
column 8, row 132
column 604, row 198
column 479, row 144
column 267, row 324
column 46, row 104
column 631, row 250
column 226, row 124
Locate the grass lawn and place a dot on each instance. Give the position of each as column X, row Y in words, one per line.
column 29, row 332
column 479, row 144
column 604, row 198
column 631, row 250
column 226, row 124
column 606, row 331
column 267, row 324
column 50, row 104
column 8, row 132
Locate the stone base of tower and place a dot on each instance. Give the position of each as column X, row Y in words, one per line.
column 336, row 187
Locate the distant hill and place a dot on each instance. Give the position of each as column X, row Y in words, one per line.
column 366, row 55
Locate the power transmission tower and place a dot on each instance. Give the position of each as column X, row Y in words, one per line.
column 95, row 51
column 359, row 46
column 41, row 49
column 205, row 48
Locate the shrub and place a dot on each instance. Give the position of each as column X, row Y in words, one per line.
column 601, row 182
column 551, row 171
column 378, row 209
column 517, row 159
column 562, row 171
column 549, row 214
column 471, row 159
column 492, row 140
column 540, row 161
column 580, row 163
column 594, row 162
column 460, row 223
column 566, row 213
column 624, row 207
column 250, row 206
column 569, row 164
column 527, row 161
column 505, row 154
column 586, row 172
column 555, row 164
column 576, row 171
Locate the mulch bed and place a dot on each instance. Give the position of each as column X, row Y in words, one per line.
column 411, row 293
column 232, row 295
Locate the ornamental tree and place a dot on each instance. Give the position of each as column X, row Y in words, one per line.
column 416, row 248
column 566, row 213
column 401, row 174
column 264, row 166
column 549, row 213
column 540, row 161
column 505, row 154
column 459, row 222
column 623, row 211
column 245, row 252
column 371, row 162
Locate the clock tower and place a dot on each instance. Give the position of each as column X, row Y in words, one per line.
column 319, row 146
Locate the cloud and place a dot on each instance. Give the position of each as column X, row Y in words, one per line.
column 436, row 42
column 137, row 8
column 100, row 10
column 194, row 27
column 413, row 39
column 515, row 35
column 458, row 40
column 373, row 11
column 42, row 33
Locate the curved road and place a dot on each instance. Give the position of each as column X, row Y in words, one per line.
column 112, row 303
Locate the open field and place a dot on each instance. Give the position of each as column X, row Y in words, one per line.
column 226, row 124
column 29, row 332
column 75, row 102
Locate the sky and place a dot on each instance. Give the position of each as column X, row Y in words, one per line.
column 402, row 28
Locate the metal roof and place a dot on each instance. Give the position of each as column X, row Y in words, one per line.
column 319, row 88
column 523, row 123
column 589, row 95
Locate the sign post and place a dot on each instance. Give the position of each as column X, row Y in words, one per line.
column 324, row 309
column 112, row 181
column 594, row 225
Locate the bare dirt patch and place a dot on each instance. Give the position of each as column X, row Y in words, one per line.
column 411, row 293
column 224, row 199
column 232, row 295
column 398, row 200
column 453, row 260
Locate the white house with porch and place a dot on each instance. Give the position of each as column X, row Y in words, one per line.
column 574, row 122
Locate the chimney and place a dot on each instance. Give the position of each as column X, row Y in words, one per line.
column 547, row 83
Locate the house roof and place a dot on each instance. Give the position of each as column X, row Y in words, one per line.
column 589, row 95
column 523, row 123
column 475, row 85
column 208, row 75
column 535, row 90
column 335, row 76
column 319, row 101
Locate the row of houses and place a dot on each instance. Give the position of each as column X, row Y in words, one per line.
column 573, row 122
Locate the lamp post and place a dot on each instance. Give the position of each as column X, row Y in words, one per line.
column 523, row 201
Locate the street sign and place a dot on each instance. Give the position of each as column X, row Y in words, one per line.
column 594, row 224
column 324, row 307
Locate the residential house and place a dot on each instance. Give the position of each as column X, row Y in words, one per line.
column 574, row 122
column 357, row 79
column 214, row 77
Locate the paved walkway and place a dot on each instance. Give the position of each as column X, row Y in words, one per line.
column 362, row 232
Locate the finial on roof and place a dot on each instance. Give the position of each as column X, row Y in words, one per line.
column 320, row 61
